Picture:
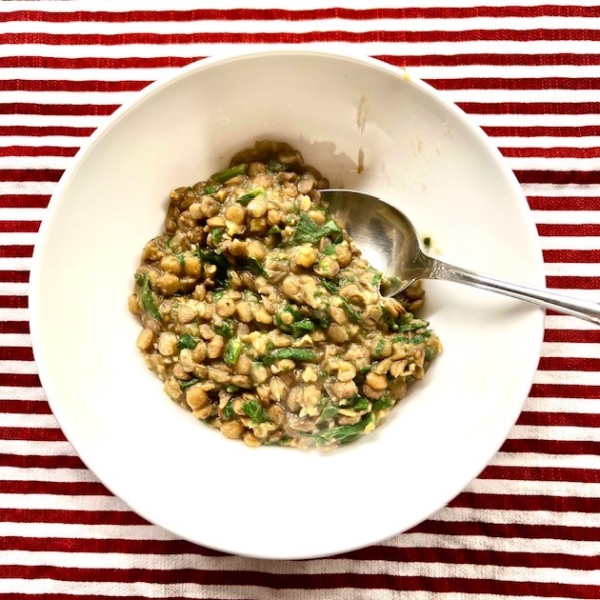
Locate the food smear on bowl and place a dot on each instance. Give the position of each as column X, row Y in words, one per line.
column 261, row 316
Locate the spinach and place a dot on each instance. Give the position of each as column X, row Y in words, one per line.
column 187, row 341
column 147, row 297
column 300, row 354
column 222, row 274
column 328, row 413
column 274, row 166
column 412, row 324
column 308, row 231
column 383, row 403
column 302, row 327
column 217, row 235
column 232, row 351
column 331, row 287
column 184, row 385
column 353, row 314
column 361, row 404
column 245, row 199
column 329, row 250
column 226, row 174
column 379, row 348
column 345, row 434
column 225, row 329
column 377, row 279
column 228, row 413
column 415, row 339
column 255, row 411
column 256, row 267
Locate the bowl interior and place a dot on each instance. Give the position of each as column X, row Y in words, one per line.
column 415, row 151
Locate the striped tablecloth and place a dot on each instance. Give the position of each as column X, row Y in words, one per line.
column 529, row 74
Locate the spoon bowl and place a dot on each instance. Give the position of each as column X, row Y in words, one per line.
column 390, row 242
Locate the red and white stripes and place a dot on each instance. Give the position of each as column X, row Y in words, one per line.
column 529, row 75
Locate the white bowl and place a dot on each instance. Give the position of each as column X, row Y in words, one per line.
column 419, row 152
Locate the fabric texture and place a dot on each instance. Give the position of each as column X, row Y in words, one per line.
column 529, row 75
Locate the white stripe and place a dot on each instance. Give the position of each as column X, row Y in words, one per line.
column 590, row 141
column 429, row 72
column 567, row 377
column 62, row 502
column 554, row 163
column 35, row 162
column 13, row 289
column 515, row 119
column 566, row 322
column 22, row 214
column 85, row 121
column 569, row 243
column 302, row 26
column 558, row 433
column 563, row 405
column 533, row 47
column 20, row 263
column 504, row 544
column 522, row 517
column 577, row 350
column 22, row 393
column 19, row 340
column 67, row 530
column 576, row 269
column 566, row 217
column 14, row 314
column 54, row 475
column 29, row 448
column 554, row 190
column 183, row 5
column 114, row 560
column 62, row 141
column 18, row 366
column 556, row 461
column 75, row 98
column 535, row 488
column 8, row 420
column 45, row 188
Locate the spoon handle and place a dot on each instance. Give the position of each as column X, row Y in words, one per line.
column 582, row 309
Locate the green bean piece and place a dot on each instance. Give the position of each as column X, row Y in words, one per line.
column 227, row 174
column 233, row 350
column 184, row 385
column 245, row 199
column 296, row 354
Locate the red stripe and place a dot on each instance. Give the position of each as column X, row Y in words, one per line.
column 19, row 226
column 270, row 14
column 16, row 251
column 525, row 502
column 30, row 108
column 567, row 363
column 105, row 62
column 554, row 152
column 61, row 488
column 14, row 276
column 29, row 461
column 576, row 230
column 541, row 474
column 553, row 419
column 23, row 407
column 14, row 327
column 224, row 37
column 573, row 282
column 13, row 302
column 30, row 174
column 33, row 434
column 300, row 581
column 516, row 83
column 510, row 530
column 541, row 130
column 17, row 353
column 531, row 108
column 583, row 336
column 563, row 390
column 25, row 130
column 75, row 517
column 572, row 256
column 556, row 447
column 19, row 380
column 37, row 151
column 564, row 203
column 50, row 85
column 24, row 201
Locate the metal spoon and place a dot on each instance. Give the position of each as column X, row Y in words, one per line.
column 389, row 241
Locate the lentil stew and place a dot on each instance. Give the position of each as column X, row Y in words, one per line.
column 262, row 318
